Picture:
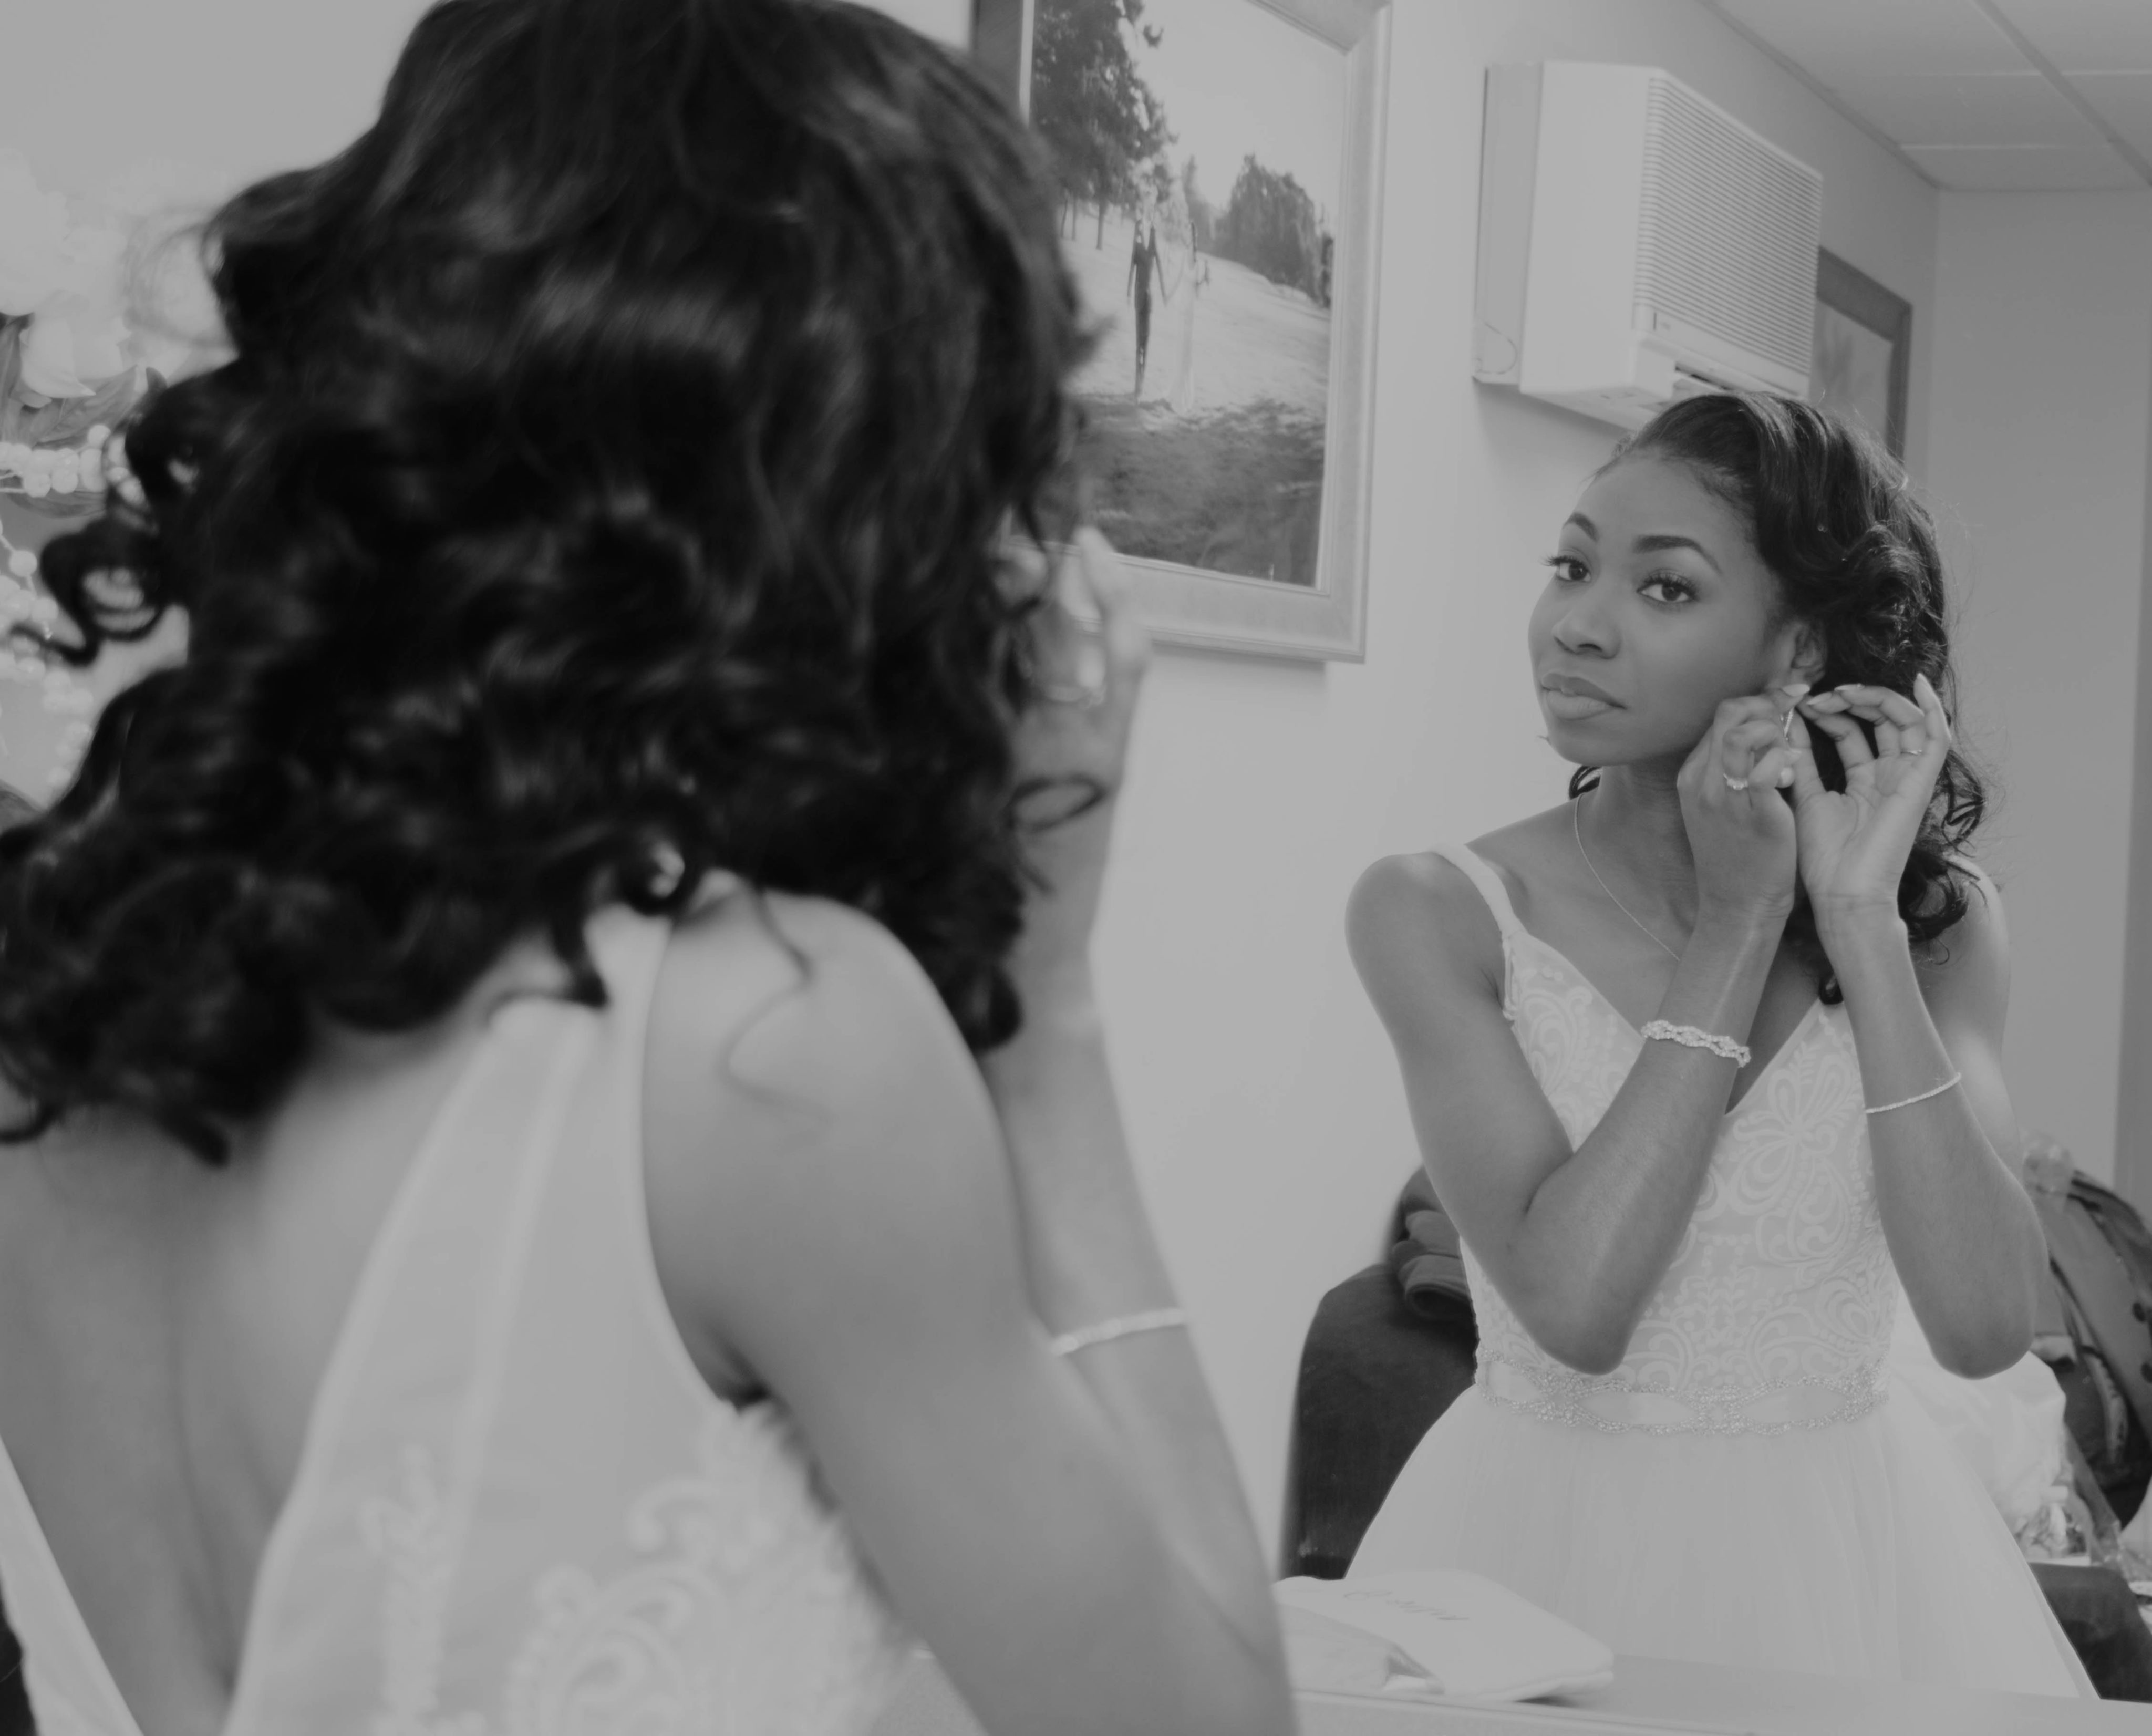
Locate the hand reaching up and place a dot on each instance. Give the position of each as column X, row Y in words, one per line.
column 1854, row 843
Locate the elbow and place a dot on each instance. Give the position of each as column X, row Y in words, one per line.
column 1592, row 1343
column 1589, row 1356
column 1973, row 1349
column 1977, row 1362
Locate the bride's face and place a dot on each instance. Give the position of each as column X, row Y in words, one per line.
column 1658, row 608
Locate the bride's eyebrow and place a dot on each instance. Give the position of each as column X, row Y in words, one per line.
column 1656, row 544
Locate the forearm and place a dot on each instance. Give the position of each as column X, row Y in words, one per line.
column 1092, row 1256
column 1601, row 1229
column 1963, row 1232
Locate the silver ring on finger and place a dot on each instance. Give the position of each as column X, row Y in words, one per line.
column 1733, row 783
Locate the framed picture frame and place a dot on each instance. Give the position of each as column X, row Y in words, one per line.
column 1863, row 354
column 1219, row 164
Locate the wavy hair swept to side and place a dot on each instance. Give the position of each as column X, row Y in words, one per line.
column 1854, row 552
column 609, row 483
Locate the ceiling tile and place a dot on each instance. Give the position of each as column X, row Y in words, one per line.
column 2125, row 103
column 2022, row 169
column 1840, row 39
column 2020, row 108
column 2086, row 35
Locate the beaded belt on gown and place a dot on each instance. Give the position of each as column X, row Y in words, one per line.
column 1612, row 1406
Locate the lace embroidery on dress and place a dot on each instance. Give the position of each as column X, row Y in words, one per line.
column 1777, row 1309
column 749, row 1607
column 747, row 1534
column 418, row 1540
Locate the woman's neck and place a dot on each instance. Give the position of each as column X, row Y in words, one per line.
column 1632, row 826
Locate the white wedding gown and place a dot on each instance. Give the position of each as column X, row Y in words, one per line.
column 1747, row 1488
column 519, row 1511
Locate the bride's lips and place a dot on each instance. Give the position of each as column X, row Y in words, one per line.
column 1572, row 698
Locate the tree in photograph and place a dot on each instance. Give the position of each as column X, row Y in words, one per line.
column 1271, row 225
column 1102, row 122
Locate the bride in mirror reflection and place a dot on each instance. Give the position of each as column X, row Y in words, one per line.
column 1705, row 1065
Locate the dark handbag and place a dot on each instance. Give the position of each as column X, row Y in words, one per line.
column 2100, row 1258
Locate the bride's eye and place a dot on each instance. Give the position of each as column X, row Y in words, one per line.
column 1677, row 589
column 1568, row 568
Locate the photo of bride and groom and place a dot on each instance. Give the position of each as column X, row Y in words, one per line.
column 1192, row 277
column 1197, row 144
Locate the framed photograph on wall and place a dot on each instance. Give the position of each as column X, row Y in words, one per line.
column 1220, row 165
column 1864, row 350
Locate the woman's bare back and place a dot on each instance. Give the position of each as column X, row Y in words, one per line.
column 164, row 1329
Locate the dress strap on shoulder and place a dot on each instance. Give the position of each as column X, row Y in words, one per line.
column 1481, row 873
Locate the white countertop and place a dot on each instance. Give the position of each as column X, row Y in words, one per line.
column 1647, row 1694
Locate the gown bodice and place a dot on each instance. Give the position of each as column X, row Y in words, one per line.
column 1778, row 1309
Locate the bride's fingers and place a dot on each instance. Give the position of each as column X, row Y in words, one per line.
column 1901, row 725
column 1884, row 701
column 1936, row 720
column 1845, row 734
column 1742, row 747
column 1774, row 767
column 1808, row 781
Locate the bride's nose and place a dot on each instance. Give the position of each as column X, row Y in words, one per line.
column 1583, row 628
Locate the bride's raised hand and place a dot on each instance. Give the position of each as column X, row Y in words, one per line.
column 1854, row 843
column 1090, row 650
column 1740, row 831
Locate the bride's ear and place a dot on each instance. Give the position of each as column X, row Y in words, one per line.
column 1807, row 654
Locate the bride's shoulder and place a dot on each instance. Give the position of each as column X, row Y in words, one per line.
column 806, row 998
column 1440, row 881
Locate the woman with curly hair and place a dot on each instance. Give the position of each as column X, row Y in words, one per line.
column 1705, row 1064
column 565, row 1171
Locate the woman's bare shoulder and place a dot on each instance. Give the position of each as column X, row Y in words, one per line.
column 1428, row 889
column 808, row 1000
column 800, row 1061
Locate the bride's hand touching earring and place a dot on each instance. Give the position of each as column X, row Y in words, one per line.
column 1072, row 753
column 1854, row 843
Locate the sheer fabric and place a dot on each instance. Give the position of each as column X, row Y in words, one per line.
column 520, row 1511
column 1748, row 1486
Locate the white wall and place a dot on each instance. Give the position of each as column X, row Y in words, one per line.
column 2037, row 453
column 242, row 87
column 1260, row 1090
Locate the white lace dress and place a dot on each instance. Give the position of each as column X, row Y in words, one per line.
column 1744, row 1489
column 519, row 1511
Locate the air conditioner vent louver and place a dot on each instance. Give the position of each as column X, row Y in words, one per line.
column 1728, row 230
column 1637, row 243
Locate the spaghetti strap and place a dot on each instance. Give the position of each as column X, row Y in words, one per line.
column 1481, row 873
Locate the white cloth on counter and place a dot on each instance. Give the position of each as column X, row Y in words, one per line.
column 1432, row 1632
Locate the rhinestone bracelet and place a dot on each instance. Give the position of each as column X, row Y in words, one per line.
column 1689, row 1036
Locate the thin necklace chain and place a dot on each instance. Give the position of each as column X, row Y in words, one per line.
column 1576, row 816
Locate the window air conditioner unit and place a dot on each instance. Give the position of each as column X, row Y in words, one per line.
column 1637, row 244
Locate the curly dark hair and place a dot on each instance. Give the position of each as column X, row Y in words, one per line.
column 609, row 482
column 1855, row 555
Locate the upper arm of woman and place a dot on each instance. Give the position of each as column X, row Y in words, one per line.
column 1967, row 990
column 830, row 1199
column 1430, row 957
